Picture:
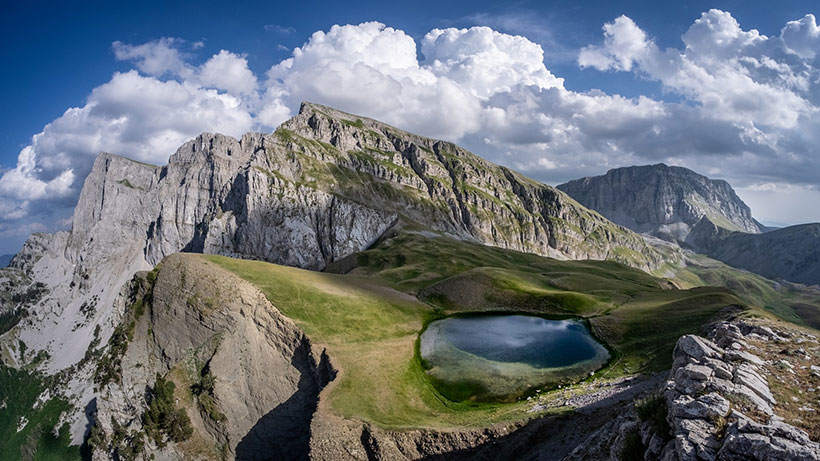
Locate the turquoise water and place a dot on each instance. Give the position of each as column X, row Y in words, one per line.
column 500, row 356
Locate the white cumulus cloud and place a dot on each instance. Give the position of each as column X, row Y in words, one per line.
column 747, row 106
column 228, row 71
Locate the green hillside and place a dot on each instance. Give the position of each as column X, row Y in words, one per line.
column 369, row 319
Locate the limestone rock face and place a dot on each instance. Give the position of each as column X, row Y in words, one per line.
column 663, row 201
column 267, row 374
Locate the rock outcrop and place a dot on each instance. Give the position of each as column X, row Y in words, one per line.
column 202, row 323
column 720, row 404
column 662, row 201
column 789, row 253
column 716, row 405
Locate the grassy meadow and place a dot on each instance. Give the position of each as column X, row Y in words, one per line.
column 369, row 319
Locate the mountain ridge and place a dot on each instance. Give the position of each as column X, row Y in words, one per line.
column 243, row 355
column 321, row 187
column 664, row 201
column 789, row 253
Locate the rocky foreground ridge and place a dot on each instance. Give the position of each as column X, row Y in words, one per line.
column 717, row 403
column 664, row 201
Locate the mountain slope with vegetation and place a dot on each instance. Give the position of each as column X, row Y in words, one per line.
column 113, row 341
column 790, row 253
column 325, row 185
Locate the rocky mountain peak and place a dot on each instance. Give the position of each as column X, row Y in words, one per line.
column 665, row 201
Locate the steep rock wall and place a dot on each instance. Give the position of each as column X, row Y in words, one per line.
column 200, row 321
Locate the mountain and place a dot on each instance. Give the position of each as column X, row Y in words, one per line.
column 5, row 260
column 791, row 253
column 325, row 185
column 663, row 201
column 325, row 250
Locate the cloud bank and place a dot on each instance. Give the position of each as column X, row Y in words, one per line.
column 744, row 106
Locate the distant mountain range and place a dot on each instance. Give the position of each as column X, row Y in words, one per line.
column 663, row 201
column 791, row 253
column 706, row 215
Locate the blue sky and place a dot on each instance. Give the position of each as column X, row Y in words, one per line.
column 56, row 55
column 54, row 60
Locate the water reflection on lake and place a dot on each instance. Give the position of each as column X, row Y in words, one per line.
column 500, row 357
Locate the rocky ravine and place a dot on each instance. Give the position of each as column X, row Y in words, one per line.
column 665, row 201
column 325, row 185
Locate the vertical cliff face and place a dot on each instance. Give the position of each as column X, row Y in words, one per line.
column 663, row 201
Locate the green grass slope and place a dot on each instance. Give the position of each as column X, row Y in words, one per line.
column 793, row 302
column 369, row 319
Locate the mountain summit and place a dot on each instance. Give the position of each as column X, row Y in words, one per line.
column 326, row 184
column 665, row 201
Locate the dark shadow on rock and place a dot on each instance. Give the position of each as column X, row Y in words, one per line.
column 284, row 432
column 90, row 419
column 550, row 437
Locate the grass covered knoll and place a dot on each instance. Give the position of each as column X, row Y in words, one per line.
column 369, row 319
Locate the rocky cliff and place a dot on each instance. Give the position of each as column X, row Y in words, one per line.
column 746, row 393
column 663, row 201
column 246, row 376
column 790, row 253
column 324, row 185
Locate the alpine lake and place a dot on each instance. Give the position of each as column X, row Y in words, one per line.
column 502, row 358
